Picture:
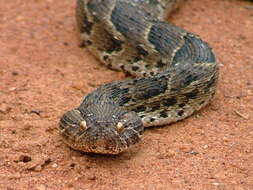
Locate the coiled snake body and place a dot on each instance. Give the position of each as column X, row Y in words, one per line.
column 175, row 74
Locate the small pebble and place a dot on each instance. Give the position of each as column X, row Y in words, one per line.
column 24, row 158
column 54, row 165
column 41, row 187
column 92, row 178
column 37, row 168
column 14, row 73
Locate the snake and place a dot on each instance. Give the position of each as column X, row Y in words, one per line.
column 174, row 74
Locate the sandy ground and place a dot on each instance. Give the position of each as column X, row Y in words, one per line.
column 43, row 73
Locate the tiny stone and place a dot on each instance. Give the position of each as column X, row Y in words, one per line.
column 41, row 187
column 4, row 108
column 70, row 185
column 37, row 112
column 193, row 153
column 14, row 73
column 54, row 165
column 38, row 168
column 12, row 88
column 19, row 18
column 25, row 158
column 92, row 178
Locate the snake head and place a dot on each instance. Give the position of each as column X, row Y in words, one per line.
column 104, row 129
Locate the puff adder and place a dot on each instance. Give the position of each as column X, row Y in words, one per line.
column 175, row 73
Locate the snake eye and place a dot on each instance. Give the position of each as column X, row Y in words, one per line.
column 83, row 126
column 120, row 127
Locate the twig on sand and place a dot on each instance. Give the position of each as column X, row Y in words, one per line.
column 242, row 115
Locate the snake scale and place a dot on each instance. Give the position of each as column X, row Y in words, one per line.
column 175, row 74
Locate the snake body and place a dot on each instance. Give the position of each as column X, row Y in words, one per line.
column 175, row 74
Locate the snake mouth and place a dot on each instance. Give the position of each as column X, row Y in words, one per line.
column 113, row 143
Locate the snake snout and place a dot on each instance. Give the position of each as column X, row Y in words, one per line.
column 95, row 129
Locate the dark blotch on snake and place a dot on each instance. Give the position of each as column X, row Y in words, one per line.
column 135, row 68
column 155, row 108
column 86, row 43
column 141, row 51
column 202, row 102
column 87, row 26
column 180, row 113
column 152, row 119
column 109, row 65
column 136, row 59
column 150, row 87
column 163, row 114
column 84, row 25
column 169, row 101
column 105, row 57
column 160, row 64
column 114, row 46
column 139, row 108
column 192, row 95
column 122, row 67
column 181, row 105
column 151, row 73
column 129, row 20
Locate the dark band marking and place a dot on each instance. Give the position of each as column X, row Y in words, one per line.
column 165, row 38
column 194, row 50
column 129, row 20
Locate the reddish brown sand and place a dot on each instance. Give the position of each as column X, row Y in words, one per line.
column 43, row 73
